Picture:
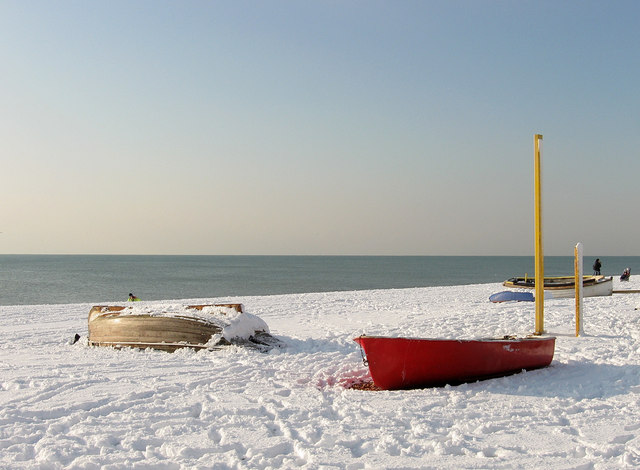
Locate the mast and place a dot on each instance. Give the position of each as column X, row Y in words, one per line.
column 538, row 236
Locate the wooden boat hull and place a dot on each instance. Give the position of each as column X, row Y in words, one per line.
column 564, row 286
column 401, row 363
column 109, row 327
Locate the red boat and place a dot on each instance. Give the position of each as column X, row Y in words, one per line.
column 401, row 363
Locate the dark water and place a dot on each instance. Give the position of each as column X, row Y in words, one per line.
column 50, row 279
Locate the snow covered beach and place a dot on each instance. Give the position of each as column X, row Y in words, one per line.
column 72, row 406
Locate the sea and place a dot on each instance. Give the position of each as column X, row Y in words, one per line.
column 64, row 279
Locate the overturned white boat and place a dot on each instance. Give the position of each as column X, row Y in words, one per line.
column 169, row 327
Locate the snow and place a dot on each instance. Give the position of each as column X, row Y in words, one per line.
column 66, row 405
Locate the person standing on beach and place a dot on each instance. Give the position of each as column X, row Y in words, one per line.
column 596, row 266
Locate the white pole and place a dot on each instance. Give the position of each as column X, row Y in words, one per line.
column 579, row 288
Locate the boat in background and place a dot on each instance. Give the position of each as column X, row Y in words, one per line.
column 193, row 326
column 511, row 296
column 565, row 286
column 402, row 363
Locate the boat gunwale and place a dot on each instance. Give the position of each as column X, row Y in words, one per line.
column 148, row 344
column 468, row 340
column 529, row 283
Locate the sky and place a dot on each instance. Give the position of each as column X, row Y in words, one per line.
column 318, row 128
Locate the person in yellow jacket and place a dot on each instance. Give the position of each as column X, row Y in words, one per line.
column 133, row 298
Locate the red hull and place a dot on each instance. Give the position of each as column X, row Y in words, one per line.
column 399, row 363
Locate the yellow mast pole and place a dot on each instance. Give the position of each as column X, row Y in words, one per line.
column 538, row 237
